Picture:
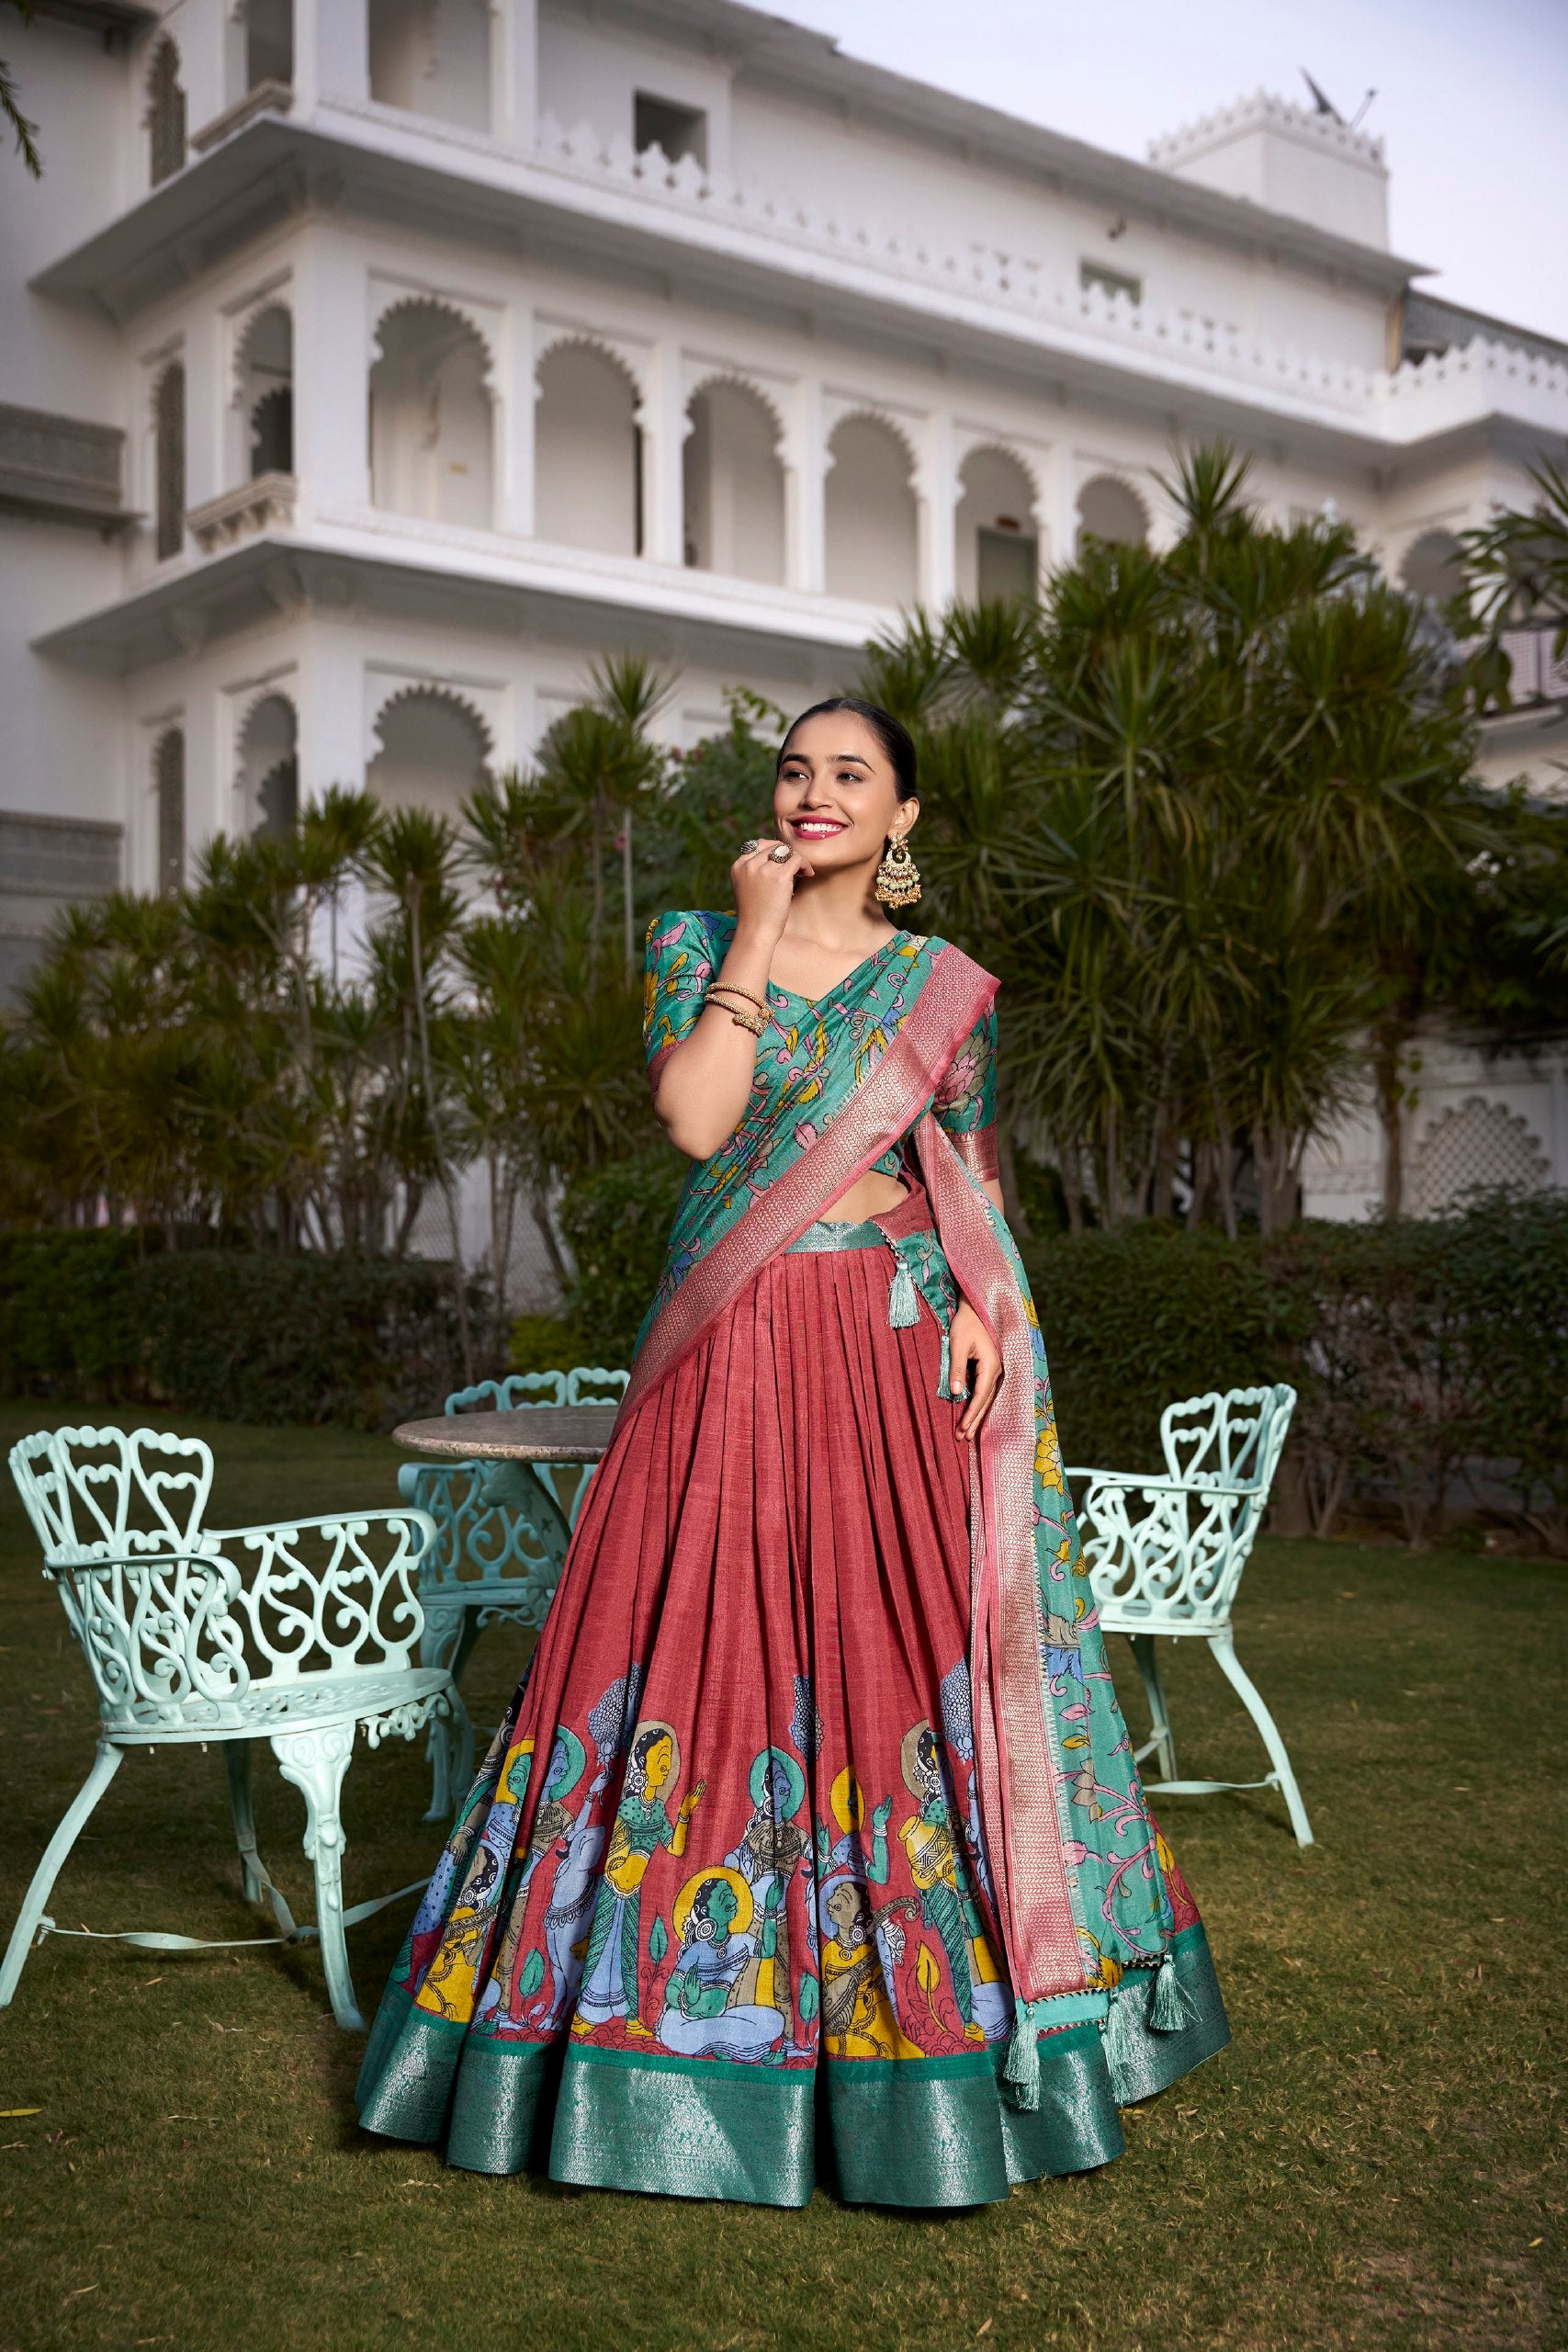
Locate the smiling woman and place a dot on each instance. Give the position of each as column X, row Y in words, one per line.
column 861, row 1842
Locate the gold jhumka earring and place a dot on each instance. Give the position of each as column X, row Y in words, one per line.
column 897, row 877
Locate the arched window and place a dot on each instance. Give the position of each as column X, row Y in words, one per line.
column 733, row 486
column 169, row 459
column 165, row 113
column 1108, row 510
column 433, row 752
column 431, row 419
column 587, row 452
column 998, row 552
column 169, row 795
column 266, row 392
column 269, row 41
column 267, row 780
column 1432, row 567
column 433, row 57
column 872, row 529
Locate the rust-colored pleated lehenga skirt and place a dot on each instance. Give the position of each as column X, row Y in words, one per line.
column 716, row 1918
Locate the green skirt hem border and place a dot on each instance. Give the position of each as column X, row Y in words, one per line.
column 927, row 2134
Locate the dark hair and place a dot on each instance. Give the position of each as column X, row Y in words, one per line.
column 891, row 733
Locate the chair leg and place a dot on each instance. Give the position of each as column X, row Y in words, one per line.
column 1144, row 1650
column 255, row 1879
column 106, row 1764
column 1223, row 1649
column 315, row 1761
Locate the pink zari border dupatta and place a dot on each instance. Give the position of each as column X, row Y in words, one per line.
column 1017, row 1770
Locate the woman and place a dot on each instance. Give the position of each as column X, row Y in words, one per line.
column 866, row 1846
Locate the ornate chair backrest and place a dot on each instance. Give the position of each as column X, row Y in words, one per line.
column 519, row 1389
column 504, row 1528
column 1177, row 1557
column 213, row 1640
column 106, row 1494
column 589, row 1384
column 511, row 1550
column 1230, row 1439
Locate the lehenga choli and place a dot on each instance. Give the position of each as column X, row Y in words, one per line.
column 811, row 1846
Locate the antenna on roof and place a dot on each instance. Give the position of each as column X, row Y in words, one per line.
column 1325, row 104
column 1321, row 99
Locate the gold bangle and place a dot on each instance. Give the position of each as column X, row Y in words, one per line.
column 755, row 1022
column 731, row 987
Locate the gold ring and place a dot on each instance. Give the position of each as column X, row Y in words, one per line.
column 779, row 852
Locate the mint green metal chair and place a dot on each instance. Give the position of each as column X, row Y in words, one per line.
column 299, row 1633
column 1166, row 1556
column 501, row 1533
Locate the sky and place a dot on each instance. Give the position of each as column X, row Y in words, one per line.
column 1472, row 101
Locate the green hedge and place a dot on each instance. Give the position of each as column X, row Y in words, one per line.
column 233, row 1333
column 1421, row 1349
column 617, row 1221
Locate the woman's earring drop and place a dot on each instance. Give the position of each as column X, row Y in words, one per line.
column 897, row 877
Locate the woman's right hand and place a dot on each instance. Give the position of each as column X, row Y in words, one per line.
column 763, row 887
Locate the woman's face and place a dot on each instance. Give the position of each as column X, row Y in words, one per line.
column 837, row 797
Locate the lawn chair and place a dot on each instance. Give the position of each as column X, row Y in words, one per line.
column 502, row 1530
column 1166, row 1555
column 298, row 1632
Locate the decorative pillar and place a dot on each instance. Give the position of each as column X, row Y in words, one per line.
column 514, row 500
column 663, row 419
column 806, row 473
column 936, row 489
column 514, row 72
column 333, row 351
column 206, row 411
column 332, row 51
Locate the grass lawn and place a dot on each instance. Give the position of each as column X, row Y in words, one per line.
column 1370, row 2164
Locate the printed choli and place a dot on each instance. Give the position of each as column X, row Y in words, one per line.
column 811, row 1845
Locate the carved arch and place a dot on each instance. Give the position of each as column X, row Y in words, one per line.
column 278, row 301
column 551, row 339
column 868, row 412
column 458, row 698
column 739, row 382
column 461, row 314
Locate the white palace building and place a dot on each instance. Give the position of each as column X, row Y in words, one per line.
column 369, row 366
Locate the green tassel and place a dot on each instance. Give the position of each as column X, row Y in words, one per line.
column 903, row 1299
column 1021, row 2074
column 1122, row 2030
column 1172, row 2007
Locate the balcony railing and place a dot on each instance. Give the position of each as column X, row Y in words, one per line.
column 264, row 504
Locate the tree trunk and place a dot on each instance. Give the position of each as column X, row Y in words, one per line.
column 1387, row 1054
column 1071, row 1169
column 1278, row 1187
column 539, row 1204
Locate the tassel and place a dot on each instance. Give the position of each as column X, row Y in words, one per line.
column 1172, row 2007
column 1122, row 2036
column 903, row 1299
column 1021, row 2074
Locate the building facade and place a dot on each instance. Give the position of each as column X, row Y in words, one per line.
column 372, row 366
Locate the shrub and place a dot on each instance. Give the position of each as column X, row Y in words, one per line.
column 248, row 1337
column 542, row 1343
column 1133, row 1319
column 69, row 1320
column 617, row 1220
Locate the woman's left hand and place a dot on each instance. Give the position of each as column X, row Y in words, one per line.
column 969, row 1343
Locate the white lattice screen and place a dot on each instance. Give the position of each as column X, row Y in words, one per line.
column 1477, row 1143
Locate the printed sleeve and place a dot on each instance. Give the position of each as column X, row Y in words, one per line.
column 677, row 967
column 966, row 1097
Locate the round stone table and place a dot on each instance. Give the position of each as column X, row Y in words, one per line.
column 531, row 1434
